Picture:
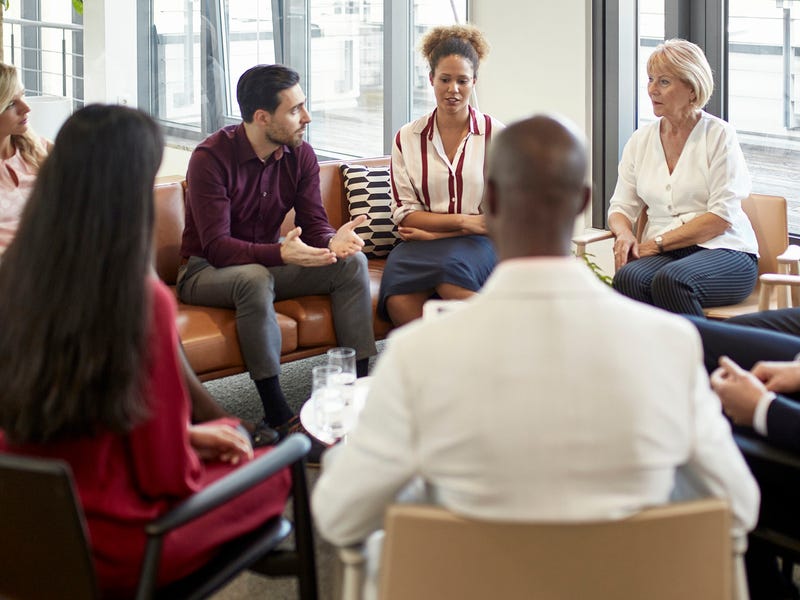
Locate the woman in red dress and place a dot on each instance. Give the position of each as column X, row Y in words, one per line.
column 90, row 368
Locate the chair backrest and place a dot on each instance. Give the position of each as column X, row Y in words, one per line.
column 675, row 551
column 44, row 552
column 767, row 214
column 170, row 217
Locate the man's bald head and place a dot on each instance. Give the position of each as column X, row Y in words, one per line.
column 535, row 186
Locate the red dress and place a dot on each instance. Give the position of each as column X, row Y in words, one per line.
column 124, row 481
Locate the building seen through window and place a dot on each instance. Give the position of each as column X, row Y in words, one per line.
column 336, row 46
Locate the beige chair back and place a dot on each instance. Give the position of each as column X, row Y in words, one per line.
column 675, row 551
column 767, row 214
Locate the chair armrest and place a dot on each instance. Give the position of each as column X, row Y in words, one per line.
column 789, row 262
column 779, row 279
column 589, row 237
column 353, row 560
column 790, row 255
column 758, row 449
column 770, row 281
column 290, row 450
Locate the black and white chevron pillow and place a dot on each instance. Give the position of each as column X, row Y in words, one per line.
column 369, row 193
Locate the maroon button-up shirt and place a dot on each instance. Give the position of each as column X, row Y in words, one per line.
column 235, row 203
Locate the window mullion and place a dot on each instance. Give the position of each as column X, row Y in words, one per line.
column 615, row 78
column 397, row 63
column 295, row 40
column 212, row 75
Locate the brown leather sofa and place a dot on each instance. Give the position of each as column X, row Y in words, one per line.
column 209, row 334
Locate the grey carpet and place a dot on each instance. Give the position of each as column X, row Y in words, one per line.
column 239, row 396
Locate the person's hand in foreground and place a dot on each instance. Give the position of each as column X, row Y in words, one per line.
column 219, row 441
column 739, row 391
column 779, row 376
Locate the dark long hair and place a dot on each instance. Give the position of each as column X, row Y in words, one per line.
column 74, row 299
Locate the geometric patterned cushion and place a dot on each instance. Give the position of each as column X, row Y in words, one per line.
column 369, row 193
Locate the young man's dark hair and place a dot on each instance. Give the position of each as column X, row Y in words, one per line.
column 259, row 88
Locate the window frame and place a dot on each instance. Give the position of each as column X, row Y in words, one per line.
column 615, row 77
column 292, row 29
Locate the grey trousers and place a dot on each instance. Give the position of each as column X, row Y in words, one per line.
column 251, row 289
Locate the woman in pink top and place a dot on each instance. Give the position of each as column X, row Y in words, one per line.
column 21, row 152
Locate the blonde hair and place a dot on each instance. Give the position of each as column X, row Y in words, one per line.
column 466, row 41
column 29, row 144
column 686, row 61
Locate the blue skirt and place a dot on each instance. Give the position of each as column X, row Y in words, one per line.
column 416, row 266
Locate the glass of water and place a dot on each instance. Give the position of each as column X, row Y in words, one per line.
column 328, row 400
column 344, row 358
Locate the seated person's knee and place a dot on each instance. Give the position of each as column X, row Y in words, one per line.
column 253, row 280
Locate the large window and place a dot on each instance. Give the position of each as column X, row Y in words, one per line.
column 764, row 90
column 45, row 41
column 357, row 60
column 650, row 34
column 752, row 48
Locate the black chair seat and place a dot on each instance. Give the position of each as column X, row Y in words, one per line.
column 777, row 472
column 45, row 551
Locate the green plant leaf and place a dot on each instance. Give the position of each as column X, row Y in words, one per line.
column 76, row 4
column 587, row 258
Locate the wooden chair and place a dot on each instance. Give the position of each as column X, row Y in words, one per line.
column 674, row 551
column 767, row 214
column 45, row 552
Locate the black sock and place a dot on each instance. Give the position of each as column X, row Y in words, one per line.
column 276, row 410
column 362, row 367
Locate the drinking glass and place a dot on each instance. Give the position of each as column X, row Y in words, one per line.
column 345, row 358
column 328, row 400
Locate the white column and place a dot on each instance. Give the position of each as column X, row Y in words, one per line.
column 110, row 51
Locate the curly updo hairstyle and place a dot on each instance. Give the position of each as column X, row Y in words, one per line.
column 466, row 41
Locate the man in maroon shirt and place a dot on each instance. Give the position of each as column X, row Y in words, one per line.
column 242, row 180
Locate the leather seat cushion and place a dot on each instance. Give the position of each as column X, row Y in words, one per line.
column 210, row 339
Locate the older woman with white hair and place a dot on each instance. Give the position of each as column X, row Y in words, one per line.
column 687, row 175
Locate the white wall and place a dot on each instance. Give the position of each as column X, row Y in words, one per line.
column 540, row 58
column 540, row 61
column 110, row 51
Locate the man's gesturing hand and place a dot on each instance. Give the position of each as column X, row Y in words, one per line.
column 346, row 240
column 295, row 251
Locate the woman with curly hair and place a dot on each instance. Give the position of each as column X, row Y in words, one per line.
column 91, row 372
column 21, row 152
column 437, row 185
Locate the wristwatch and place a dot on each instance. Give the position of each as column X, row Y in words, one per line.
column 660, row 243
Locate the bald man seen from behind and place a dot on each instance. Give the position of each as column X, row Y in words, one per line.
column 524, row 403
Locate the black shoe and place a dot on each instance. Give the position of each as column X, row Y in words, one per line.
column 294, row 425
column 264, row 435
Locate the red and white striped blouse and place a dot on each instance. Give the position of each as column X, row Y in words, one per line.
column 423, row 178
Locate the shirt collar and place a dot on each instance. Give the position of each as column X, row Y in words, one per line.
column 544, row 276
column 426, row 126
column 245, row 152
